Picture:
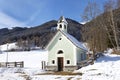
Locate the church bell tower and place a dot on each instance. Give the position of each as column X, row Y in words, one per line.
column 62, row 24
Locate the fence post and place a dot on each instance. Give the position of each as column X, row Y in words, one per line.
column 6, row 64
column 15, row 64
column 92, row 61
column 22, row 64
column 43, row 65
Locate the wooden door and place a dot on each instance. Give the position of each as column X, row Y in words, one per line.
column 60, row 63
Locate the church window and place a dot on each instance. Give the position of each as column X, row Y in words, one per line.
column 82, row 56
column 53, row 61
column 60, row 38
column 68, row 61
column 60, row 52
column 60, row 26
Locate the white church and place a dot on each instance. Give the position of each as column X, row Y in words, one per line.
column 64, row 51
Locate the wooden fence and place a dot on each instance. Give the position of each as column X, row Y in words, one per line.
column 12, row 64
column 85, row 62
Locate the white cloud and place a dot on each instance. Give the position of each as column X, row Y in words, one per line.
column 22, row 12
column 8, row 21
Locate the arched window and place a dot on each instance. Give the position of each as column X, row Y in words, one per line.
column 60, row 52
column 60, row 26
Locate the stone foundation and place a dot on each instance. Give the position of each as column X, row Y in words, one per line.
column 70, row 68
column 51, row 68
column 65, row 68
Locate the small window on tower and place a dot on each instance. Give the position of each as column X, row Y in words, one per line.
column 60, row 26
column 65, row 26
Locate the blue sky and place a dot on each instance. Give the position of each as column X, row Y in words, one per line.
column 35, row 12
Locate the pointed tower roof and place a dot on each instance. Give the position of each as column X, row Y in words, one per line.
column 62, row 19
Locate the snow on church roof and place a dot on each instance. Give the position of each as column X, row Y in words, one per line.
column 74, row 41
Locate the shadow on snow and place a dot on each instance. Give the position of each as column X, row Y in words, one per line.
column 107, row 58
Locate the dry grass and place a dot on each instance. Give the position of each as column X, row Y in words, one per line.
column 61, row 73
column 27, row 77
column 67, row 73
column 70, row 78
column 116, row 52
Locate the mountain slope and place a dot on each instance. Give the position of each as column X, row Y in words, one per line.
column 45, row 32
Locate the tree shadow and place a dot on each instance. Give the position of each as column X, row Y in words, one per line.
column 107, row 58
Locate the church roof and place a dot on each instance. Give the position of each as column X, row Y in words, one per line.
column 74, row 41
column 70, row 38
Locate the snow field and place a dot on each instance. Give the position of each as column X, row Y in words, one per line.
column 31, row 58
column 105, row 68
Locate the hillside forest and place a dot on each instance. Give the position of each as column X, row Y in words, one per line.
column 102, row 30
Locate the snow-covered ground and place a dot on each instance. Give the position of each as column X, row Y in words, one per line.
column 8, row 46
column 30, row 58
column 32, row 67
column 105, row 68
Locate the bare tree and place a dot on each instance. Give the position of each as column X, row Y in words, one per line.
column 93, row 31
column 109, row 6
column 118, row 4
column 102, row 30
column 91, row 11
